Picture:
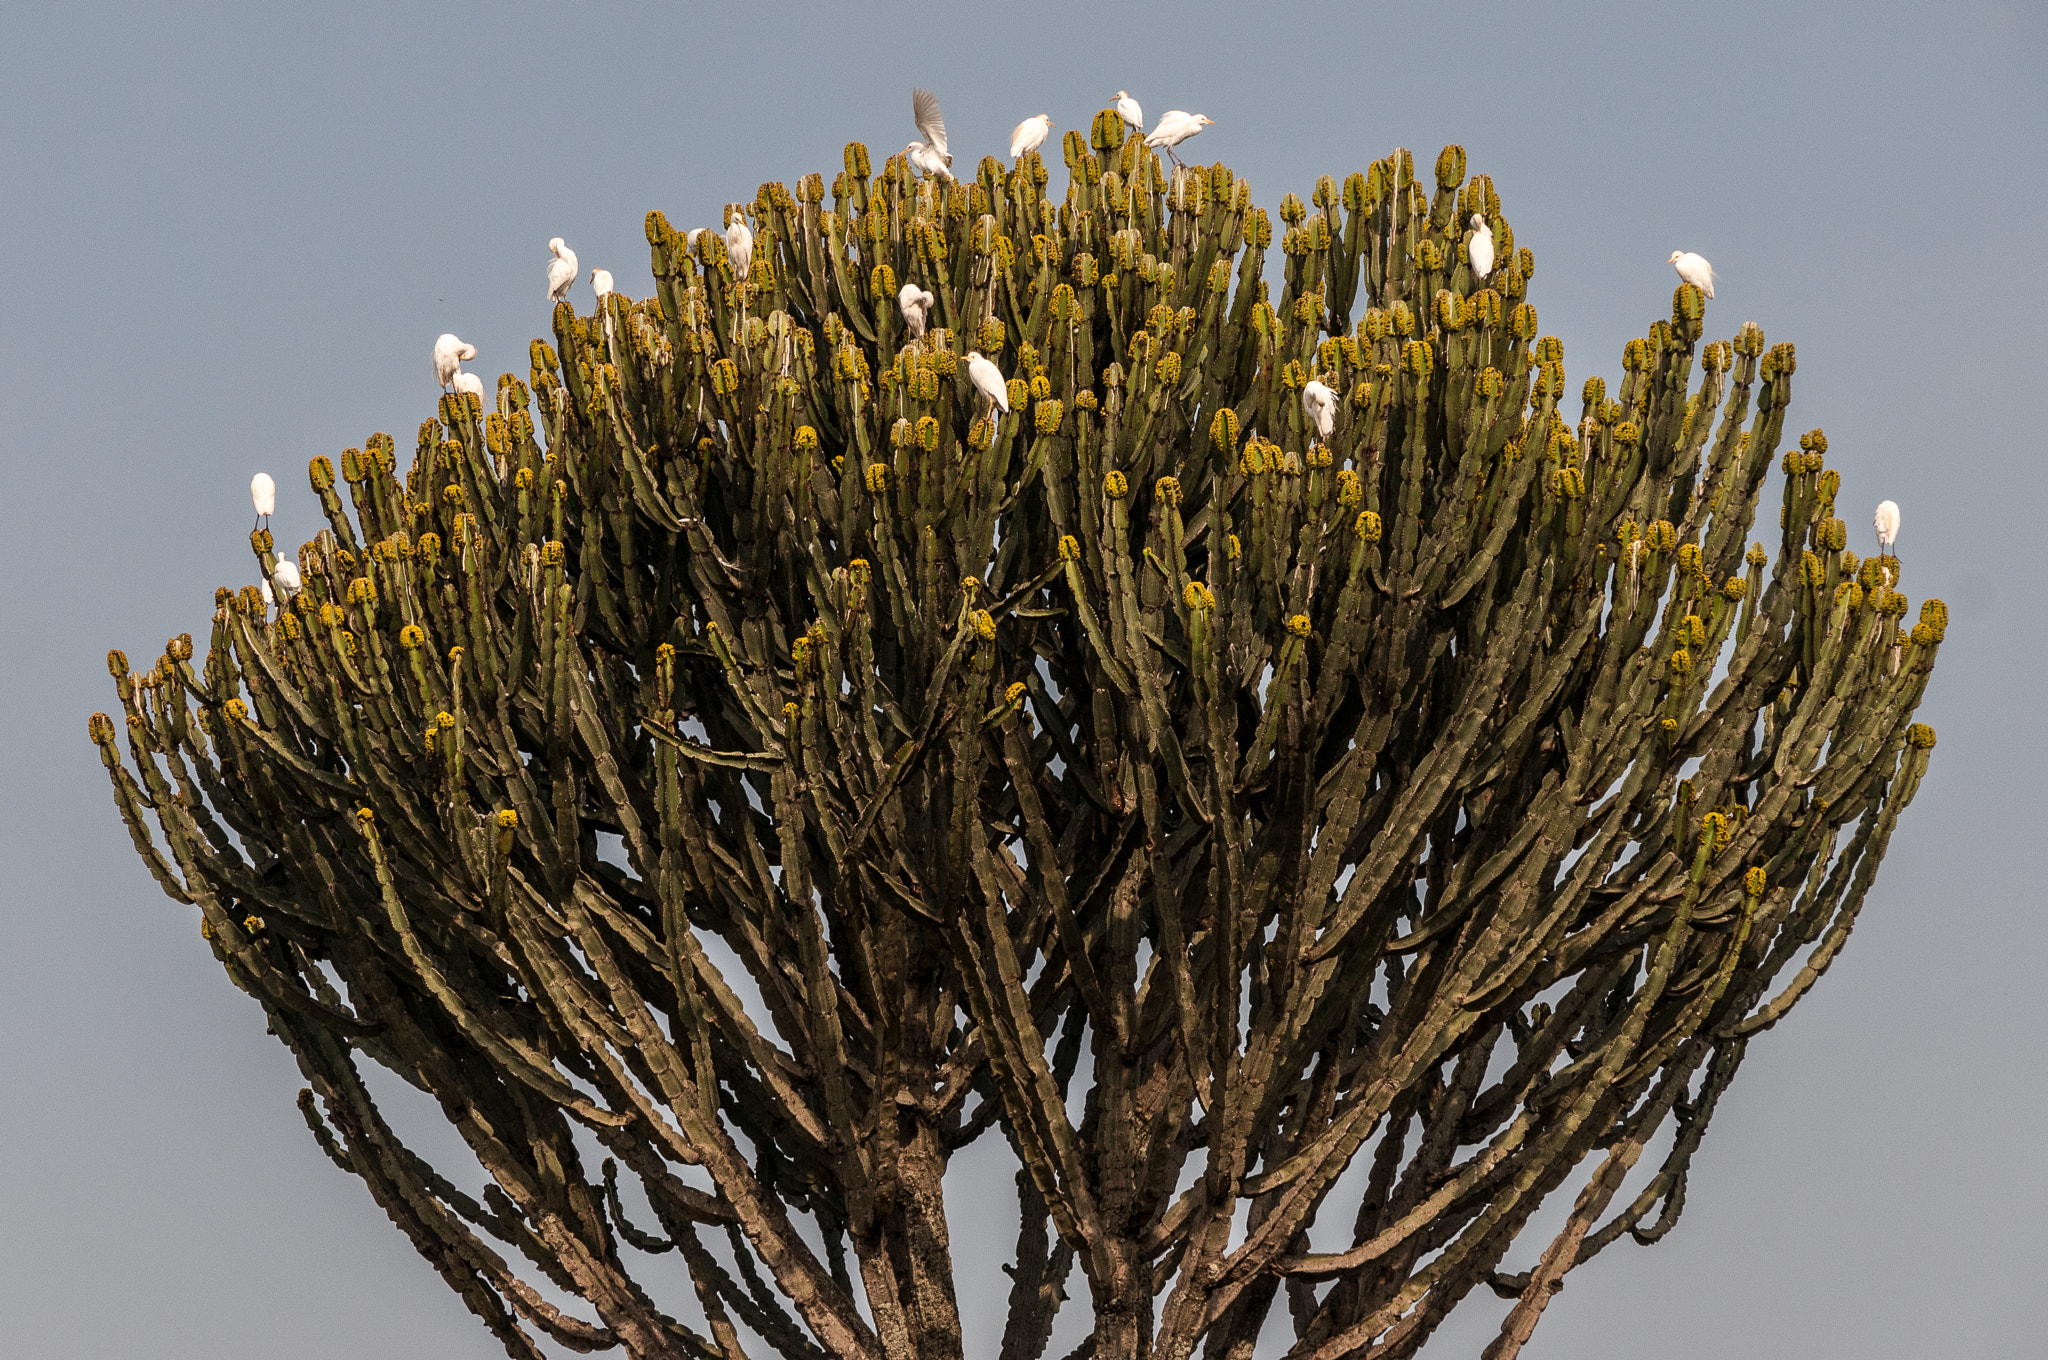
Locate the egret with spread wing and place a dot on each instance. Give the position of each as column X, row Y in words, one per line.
column 928, row 157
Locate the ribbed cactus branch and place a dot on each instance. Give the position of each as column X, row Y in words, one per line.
column 1455, row 795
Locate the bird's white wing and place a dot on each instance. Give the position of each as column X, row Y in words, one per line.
column 924, row 111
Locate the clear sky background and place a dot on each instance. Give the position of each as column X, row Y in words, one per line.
column 232, row 232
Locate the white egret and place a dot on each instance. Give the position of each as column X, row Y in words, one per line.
column 739, row 243
column 696, row 235
column 1887, row 524
column 449, row 352
column 263, row 491
column 928, row 157
column 561, row 269
column 469, row 382
column 268, row 598
column 286, row 574
column 1128, row 110
column 601, row 284
column 1479, row 250
column 1694, row 269
column 927, row 162
column 916, row 305
column 988, row 380
column 1030, row 135
column 1320, row 403
column 1175, row 127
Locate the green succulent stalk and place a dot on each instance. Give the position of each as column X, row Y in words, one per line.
column 740, row 759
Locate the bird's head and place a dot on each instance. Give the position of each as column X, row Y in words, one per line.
column 1676, row 256
column 1205, row 122
column 1478, row 222
column 556, row 245
column 1123, row 94
column 973, row 355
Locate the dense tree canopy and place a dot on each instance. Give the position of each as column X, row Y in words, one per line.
column 735, row 768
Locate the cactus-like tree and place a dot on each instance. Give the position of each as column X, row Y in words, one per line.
column 740, row 764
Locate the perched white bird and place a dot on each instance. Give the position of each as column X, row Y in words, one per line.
column 916, row 305
column 1694, row 269
column 263, row 491
column 449, row 352
column 601, row 284
column 929, row 156
column 988, row 380
column 268, row 598
column 1887, row 523
column 1128, row 110
column 470, row 382
column 1030, row 135
column 1320, row 403
column 739, row 243
column 1175, row 127
column 561, row 270
column 286, row 574
column 1479, row 250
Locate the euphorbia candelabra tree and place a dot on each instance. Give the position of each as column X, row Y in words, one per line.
column 740, row 763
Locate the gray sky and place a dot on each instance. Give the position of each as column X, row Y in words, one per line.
column 233, row 232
